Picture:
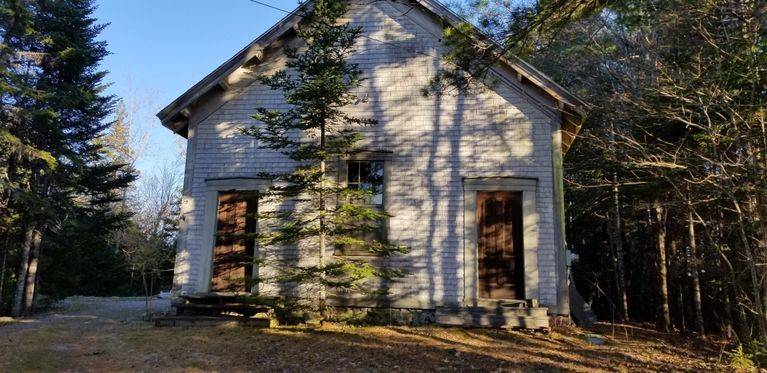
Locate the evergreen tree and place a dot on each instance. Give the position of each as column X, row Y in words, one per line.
column 53, row 109
column 79, row 259
column 678, row 130
column 325, row 213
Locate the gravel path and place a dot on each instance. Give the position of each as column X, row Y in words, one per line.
column 87, row 312
column 76, row 334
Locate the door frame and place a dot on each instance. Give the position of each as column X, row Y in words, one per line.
column 530, row 221
column 213, row 187
column 513, row 267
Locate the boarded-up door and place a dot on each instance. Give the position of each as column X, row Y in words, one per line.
column 233, row 254
column 499, row 245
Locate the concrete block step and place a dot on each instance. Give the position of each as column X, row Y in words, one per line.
column 521, row 318
column 505, row 311
column 506, row 303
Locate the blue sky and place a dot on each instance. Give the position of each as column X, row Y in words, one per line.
column 160, row 48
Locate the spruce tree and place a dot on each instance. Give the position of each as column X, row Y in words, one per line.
column 318, row 84
column 53, row 110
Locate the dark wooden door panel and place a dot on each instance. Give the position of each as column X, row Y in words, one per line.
column 499, row 245
column 233, row 254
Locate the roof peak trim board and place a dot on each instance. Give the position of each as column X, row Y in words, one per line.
column 175, row 116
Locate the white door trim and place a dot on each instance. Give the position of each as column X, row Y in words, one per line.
column 212, row 188
column 530, row 220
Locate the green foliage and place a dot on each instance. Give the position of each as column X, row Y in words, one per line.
column 258, row 300
column 317, row 84
column 15, row 147
column 678, row 89
column 292, row 311
column 499, row 29
column 52, row 171
column 382, row 316
column 370, row 316
column 741, row 360
column 81, row 260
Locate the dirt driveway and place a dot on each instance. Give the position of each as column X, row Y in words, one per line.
column 106, row 334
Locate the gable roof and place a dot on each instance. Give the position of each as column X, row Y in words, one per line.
column 175, row 116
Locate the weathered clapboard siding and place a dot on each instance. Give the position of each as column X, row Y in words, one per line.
column 438, row 141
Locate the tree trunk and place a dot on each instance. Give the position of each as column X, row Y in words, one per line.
column 123, row 207
column 694, row 272
column 679, row 296
column 682, row 309
column 26, row 247
column 34, row 261
column 617, row 239
column 744, row 329
column 36, row 299
column 321, row 258
column 726, row 327
column 756, row 290
column 665, row 316
column 147, row 296
column 757, row 216
column 3, row 263
column 643, row 262
column 733, row 291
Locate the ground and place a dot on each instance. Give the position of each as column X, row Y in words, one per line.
column 107, row 334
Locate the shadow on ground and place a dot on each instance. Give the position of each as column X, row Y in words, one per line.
column 97, row 334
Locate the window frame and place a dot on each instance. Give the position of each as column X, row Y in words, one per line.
column 343, row 176
column 359, row 182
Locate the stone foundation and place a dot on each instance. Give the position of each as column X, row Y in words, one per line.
column 382, row 316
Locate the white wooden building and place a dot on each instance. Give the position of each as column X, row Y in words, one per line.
column 458, row 169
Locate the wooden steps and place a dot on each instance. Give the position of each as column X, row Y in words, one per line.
column 215, row 309
column 239, row 308
column 260, row 322
column 216, row 304
column 494, row 316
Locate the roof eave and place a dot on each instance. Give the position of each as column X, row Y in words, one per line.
column 573, row 110
column 173, row 114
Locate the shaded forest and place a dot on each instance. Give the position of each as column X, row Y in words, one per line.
column 73, row 217
column 665, row 187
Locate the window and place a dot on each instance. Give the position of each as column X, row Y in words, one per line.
column 366, row 175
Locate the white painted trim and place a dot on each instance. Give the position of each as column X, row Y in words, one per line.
column 562, row 271
column 530, row 220
column 370, row 155
column 182, row 276
column 212, row 188
column 436, row 16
